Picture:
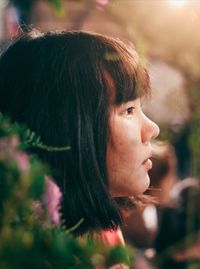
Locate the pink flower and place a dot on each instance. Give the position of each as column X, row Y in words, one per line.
column 101, row 3
column 23, row 161
column 112, row 237
column 52, row 201
column 14, row 141
column 38, row 211
column 8, row 147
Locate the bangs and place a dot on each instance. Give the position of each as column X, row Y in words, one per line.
column 127, row 79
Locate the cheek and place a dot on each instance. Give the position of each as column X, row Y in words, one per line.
column 123, row 145
column 124, row 157
column 123, row 162
column 121, row 155
column 126, row 175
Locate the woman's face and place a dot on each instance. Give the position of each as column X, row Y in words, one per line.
column 129, row 149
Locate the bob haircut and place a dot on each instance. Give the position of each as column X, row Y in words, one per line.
column 61, row 85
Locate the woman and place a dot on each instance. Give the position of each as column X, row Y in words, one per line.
column 83, row 90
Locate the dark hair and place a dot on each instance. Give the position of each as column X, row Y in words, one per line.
column 61, row 86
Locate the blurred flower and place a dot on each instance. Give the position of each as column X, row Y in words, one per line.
column 38, row 211
column 49, row 205
column 23, row 161
column 112, row 237
column 8, row 147
column 101, row 3
column 52, row 201
column 28, row 212
column 9, row 151
column 14, row 141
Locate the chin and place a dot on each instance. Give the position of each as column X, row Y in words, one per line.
column 147, row 183
column 144, row 185
column 132, row 188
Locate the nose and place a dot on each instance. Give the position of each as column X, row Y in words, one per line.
column 150, row 130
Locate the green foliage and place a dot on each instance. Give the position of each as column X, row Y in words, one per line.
column 118, row 254
column 28, row 138
column 26, row 241
column 28, row 4
column 58, row 6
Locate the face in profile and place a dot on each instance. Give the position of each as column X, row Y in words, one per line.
column 129, row 149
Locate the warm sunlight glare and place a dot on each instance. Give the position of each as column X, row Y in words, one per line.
column 178, row 2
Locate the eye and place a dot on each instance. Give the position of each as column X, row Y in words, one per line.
column 130, row 110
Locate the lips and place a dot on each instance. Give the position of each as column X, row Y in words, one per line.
column 148, row 164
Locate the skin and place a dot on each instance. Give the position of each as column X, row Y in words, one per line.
column 129, row 149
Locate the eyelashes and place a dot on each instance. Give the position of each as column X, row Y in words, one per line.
column 130, row 110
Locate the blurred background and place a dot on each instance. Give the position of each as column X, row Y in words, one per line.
column 166, row 34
